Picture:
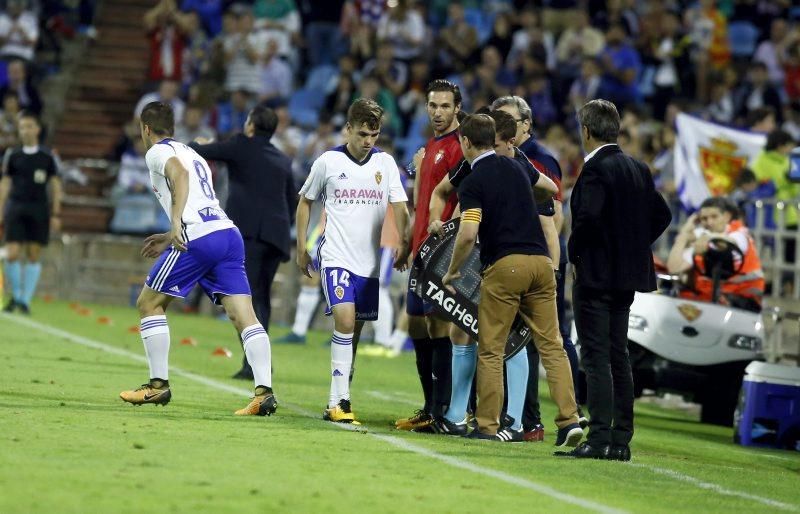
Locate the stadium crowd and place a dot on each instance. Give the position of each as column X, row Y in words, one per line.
column 733, row 62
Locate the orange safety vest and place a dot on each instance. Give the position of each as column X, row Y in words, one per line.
column 748, row 283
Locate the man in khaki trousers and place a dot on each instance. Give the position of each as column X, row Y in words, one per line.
column 497, row 204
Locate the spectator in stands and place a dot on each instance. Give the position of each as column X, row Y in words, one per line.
column 540, row 98
column 210, row 12
column 792, row 120
column 198, row 54
column 578, row 41
column 339, row 100
column 280, row 21
column 772, row 52
column 19, row 84
column 244, row 51
column 722, row 107
column 757, row 92
column 502, row 36
column 459, row 40
column 391, row 72
column 276, row 74
column 166, row 29
column 318, row 142
column 412, row 101
column 586, row 87
column 168, row 92
column 532, row 40
column 496, row 80
column 761, row 120
column 287, row 137
column 621, row 66
column 403, row 27
column 709, row 32
column 321, row 30
column 745, row 187
column 370, row 87
column 792, row 71
column 772, row 165
column 229, row 116
column 133, row 177
column 8, row 121
column 19, row 31
column 193, row 126
column 672, row 59
column 558, row 14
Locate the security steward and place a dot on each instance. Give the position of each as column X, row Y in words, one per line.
column 26, row 174
column 262, row 203
column 498, row 206
column 717, row 219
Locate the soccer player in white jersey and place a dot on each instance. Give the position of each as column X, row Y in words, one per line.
column 204, row 247
column 357, row 183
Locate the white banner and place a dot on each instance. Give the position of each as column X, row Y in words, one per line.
column 709, row 158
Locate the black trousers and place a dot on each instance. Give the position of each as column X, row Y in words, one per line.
column 261, row 261
column 601, row 318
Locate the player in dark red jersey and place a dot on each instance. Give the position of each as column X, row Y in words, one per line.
column 546, row 163
column 432, row 345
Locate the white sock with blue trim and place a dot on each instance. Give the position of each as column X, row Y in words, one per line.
column 155, row 336
column 341, row 362
column 259, row 354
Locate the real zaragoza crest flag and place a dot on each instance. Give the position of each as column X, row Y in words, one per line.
column 709, row 158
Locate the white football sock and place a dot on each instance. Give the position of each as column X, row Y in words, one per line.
column 259, row 354
column 399, row 338
column 155, row 336
column 307, row 302
column 341, row 362
column 383, row 325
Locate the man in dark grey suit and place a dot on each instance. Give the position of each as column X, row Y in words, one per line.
column 262, row 202
column 616, row 216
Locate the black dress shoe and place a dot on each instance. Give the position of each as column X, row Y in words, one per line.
column 620, row 452
column 477, row 434
column 587, row 451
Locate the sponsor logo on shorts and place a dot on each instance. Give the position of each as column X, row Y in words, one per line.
column 339, row 292
column 175, row 289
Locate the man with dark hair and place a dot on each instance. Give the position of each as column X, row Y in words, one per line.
column 357, row 183
column 546, row 163
column 617, row 214
column 261, row 203
column 496, row 203
column 202, row 247
column 718, row 219
column 431, row 334
column 464, row 355
column 26, row 174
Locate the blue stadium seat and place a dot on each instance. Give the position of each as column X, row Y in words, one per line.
column 135, row 214
column 304, row 106
column 320, row 78
column 743, row 37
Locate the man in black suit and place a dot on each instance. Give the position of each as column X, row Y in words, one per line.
column 261, row 203
column 616, row 216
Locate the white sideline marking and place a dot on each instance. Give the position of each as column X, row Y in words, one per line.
column 394, row 441
column 716, row 488
column 401, row 443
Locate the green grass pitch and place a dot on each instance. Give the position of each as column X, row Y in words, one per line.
column 68, row 444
